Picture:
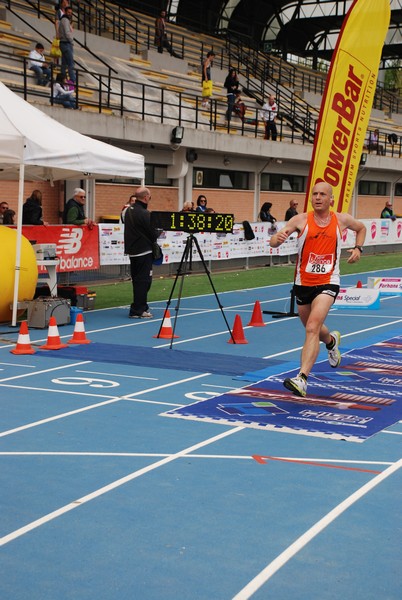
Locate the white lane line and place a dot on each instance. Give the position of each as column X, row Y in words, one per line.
column 23, row 375
column 99, row 404
column 255, row 584
column 18, row 365
column 111, row 486
column 105, row 373
column 345, row 335
column 392, row 432
column 201, row 456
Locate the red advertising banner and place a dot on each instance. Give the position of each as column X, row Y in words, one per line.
column 77, row 247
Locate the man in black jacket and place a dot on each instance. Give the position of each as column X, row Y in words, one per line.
column 139, row 236
column 32, row 209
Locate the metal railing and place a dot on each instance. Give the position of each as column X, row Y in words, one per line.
column 144, row 102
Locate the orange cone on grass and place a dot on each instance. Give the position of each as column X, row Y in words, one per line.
column 237, row 332
column 256, row 317
column 79, row 336
column 53, row 338
column 166, row 331
column 23, row 343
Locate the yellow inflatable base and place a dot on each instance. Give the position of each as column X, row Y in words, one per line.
column 28, row 271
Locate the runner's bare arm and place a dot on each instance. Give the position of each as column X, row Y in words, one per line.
column 296, row 223
column 346, row 221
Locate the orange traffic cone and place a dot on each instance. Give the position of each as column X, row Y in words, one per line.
column 23, row 343
column 359, row 284
column 237, row 332
column 166, row 331
column 256, row 317
column 53, row 338
column 79, row 336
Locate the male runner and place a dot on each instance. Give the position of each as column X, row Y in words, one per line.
column 316, row 283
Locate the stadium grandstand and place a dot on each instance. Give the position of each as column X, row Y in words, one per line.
column 150, row 103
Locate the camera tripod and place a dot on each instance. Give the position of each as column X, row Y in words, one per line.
column 185, row 267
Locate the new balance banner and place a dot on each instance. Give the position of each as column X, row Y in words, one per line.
column 348, row 99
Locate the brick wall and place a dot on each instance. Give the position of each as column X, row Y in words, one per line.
column 110, row 198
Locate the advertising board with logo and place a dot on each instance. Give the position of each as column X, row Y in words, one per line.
column 76, row 247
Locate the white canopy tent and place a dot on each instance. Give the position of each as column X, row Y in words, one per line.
column 34, row 146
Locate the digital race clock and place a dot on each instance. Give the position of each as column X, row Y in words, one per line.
column 192, row 222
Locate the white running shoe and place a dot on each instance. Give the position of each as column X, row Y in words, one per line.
column 334, row 355
column 297, row 385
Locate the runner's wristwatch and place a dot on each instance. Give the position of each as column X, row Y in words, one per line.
column 359, row 248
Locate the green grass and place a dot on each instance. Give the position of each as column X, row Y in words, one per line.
column 120, row 294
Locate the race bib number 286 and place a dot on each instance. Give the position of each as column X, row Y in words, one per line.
column 319, row 263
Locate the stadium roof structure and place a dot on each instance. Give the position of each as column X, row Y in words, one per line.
column 307, row 28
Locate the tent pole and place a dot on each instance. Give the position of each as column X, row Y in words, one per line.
column 18, row 245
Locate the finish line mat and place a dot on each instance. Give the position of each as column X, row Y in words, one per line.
column 164, row 358
column 360, row 398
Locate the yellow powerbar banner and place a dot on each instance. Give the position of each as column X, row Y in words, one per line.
column 348, row 99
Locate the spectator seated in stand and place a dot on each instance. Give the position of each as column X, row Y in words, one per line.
column 38, row 65
column 373, row 142
column 61, row 94
column 239, row 108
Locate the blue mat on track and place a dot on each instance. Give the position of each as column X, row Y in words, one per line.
column 164, row 358
column 353, row 402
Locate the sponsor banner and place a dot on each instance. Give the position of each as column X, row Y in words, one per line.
column 360, row 398
column 348, row 99
column 77, row 247
column 111, row 244
column 354, row 297
column 216, row 246
column 385, row 285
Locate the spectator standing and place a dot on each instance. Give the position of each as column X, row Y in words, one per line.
column 269, row 112
column 130, row 202
column 317, row 279
column 61, row 94
column 74, row 213
column 8, row 217
column 232, row 85
column 3, row 208
column 161, row 36
column 139, row 236
column 59, row 8
column 66, row 37
column 38, row 65
column 206, row 73
column 201, row 203
column 265, row 213
column 32, row 209
column 292, row 210
column 387, row 212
